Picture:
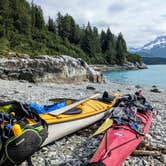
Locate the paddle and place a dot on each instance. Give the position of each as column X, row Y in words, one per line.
column 61, row 99
column 64, row 109
column 105, row 125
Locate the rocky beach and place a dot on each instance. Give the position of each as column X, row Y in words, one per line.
column 76, row 49
column 77, row 149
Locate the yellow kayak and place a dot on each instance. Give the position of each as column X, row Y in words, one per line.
column 77, row 118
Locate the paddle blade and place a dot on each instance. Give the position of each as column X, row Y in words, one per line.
column 107, row 124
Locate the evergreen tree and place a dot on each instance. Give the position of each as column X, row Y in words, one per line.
column 103, row 41
column 59, row 23
column 87, row 40
column 20, row 16
column 108, row 45
column 51, row 25
column 121, row 50
column 96, row 41
column 77, row 34
column 91, row 43
column 6, row 18
column 37, row 17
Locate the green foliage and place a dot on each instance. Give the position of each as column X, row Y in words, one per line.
column 133, row 58
column 23, row 29
column 4, row 46
column 153, row 60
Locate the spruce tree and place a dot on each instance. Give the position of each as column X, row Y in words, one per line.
column 51, row 25
column 103, row 41
column 121, row 50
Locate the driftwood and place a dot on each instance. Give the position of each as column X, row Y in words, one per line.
column 146, row 153
column 147, row 150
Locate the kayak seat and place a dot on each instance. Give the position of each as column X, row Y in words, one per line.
column 107, row 98
column 73, row 111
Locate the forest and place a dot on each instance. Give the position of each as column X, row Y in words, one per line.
column 23, row 29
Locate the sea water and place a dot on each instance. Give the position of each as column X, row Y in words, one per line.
column 154, row 75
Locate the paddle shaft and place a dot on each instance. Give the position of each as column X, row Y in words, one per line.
column 64, row 109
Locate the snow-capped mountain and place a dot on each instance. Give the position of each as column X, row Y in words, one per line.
column 155, row 48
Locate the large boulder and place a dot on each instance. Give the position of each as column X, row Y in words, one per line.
column 136, row 65
column 47, row 68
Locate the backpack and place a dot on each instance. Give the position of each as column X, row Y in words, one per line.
column 22, row 132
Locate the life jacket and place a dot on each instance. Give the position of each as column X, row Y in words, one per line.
column 22, row 132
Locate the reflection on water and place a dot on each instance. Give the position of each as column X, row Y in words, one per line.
column 154, row 75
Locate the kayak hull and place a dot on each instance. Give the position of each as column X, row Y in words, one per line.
column 59, row 130
column 118, row 143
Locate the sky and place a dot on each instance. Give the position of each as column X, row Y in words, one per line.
column 140, row 21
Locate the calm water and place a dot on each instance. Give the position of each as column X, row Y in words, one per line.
column 154, row 75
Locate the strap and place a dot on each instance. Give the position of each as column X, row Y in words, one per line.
column 3, row 103
column 23, row 109
column 29, row 161
column 109, row 150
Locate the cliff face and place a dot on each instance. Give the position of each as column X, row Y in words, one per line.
column 47, row 68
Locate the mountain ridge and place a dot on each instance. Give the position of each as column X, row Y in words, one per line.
column 154, row 48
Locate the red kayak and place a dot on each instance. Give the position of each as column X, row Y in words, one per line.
column 120, row 141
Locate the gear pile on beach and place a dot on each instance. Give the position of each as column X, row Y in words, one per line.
column 25, row 128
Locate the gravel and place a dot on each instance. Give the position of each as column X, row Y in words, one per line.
column 76, row 149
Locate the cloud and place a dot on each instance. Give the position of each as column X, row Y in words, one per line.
column 105, row 24
column 138, row 20
column 116, row 8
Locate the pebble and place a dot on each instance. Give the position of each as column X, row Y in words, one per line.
column 90, row 87
column 155, row 90
column 163, row 158
column 138, row 87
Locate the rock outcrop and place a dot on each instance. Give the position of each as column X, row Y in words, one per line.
column 47, row 68
column 126, row 66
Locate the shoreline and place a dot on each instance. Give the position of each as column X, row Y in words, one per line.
column 127, row 66
column 72, row 149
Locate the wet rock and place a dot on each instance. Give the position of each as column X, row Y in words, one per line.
column 27, row 75
column 163, row 158
column 3, row 96
column 138, row 87
column 155, row 90
column 23, row 81
column 15, row 91
column 141, row 65
column 118, row 90
column 90, row 88
column 149, row 137
column 44, row 149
